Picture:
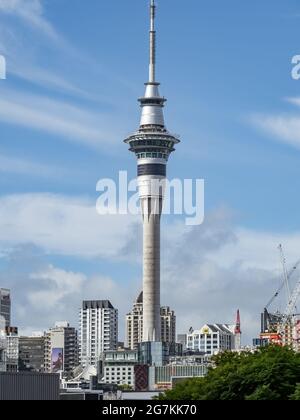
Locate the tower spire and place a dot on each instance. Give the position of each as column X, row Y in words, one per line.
column 152, row 43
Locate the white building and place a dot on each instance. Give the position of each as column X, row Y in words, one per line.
column 118, row 367
column 134, row 325
column 98, row 331
column 61, row 348
column 211, row 339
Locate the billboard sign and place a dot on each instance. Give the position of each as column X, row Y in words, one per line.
column 57, row 360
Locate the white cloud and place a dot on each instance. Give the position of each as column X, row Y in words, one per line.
column 208, row 272
column 285, row 127
column 56, row 284
column 62, row 225
column 294, row 100
column 31, row 11
column 60, row 118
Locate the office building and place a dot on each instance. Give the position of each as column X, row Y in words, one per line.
column 32, row 353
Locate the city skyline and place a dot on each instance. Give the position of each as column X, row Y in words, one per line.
column 62, row 130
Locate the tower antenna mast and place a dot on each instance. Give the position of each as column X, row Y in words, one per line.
column 152, row 43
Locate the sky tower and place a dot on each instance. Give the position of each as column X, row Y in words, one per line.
column 152, row 145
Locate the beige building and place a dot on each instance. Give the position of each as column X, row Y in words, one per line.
column 61, row 348
column 134, row 325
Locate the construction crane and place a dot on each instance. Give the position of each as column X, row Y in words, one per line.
column 288, row 313
column 285, row 273
column 267, row 318
column 289, row 275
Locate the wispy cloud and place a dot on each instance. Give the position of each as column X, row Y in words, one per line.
column 31, row 11
column 284, row 127
column 294, row 100
column 22, row 52
column 50, row 80
column 59, row 118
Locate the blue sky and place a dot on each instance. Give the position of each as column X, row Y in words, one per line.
column 75, row 70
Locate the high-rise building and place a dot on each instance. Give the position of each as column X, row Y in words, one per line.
column 134, row 324
column 152, row 144
column 168, row 325
column 2, row 345
column 61, row 348
column 32, row 353
column 211, row 339
column 12, row 349
column 5, row 305
column 98, row 330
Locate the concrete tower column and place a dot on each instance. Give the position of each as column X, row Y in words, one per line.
column 151, row 210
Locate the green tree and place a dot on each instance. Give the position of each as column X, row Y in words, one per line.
column 296, row 395
column 270, row 373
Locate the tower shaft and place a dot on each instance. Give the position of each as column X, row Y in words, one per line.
column 151, row 210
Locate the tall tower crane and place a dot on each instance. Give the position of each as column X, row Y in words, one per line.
column 285, row 272
column 288, row 313
column 267, row 318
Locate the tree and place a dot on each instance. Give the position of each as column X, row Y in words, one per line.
column 296, row 395
column 270, row 373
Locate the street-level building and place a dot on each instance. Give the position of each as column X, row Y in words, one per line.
column 118, row 367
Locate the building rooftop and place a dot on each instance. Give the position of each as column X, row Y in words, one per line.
column 97, row 304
